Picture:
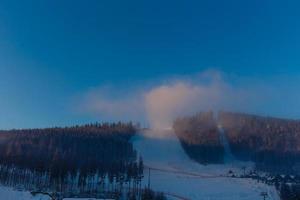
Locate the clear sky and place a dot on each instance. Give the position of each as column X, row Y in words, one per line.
column 52, row 51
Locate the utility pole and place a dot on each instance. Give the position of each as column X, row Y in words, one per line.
column 244, row 170
column 149, row 178
column 264, row 195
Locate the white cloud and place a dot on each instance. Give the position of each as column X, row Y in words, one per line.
column 111, row 103
column 209, row 90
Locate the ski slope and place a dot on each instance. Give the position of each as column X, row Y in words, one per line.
column 176, row 174
column 228, row 156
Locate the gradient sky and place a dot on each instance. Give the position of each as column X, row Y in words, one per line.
column 52, row 51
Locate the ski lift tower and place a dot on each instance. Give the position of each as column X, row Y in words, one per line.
column 264, row 195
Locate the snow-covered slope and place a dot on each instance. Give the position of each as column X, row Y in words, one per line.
column 175, row 174
column 228, row 156
column 7, row 193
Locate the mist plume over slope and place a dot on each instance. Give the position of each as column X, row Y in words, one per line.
column 160, row 104
column 166, row 100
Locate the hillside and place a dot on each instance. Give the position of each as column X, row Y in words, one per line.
column 93, row 159
column 199, row 137
column 181, row 178
column 273, row 143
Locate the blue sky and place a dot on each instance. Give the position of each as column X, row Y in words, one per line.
column 53, row 51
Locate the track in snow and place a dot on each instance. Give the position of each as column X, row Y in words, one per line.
column 228, row 157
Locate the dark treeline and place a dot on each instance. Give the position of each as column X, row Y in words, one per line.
column 89, row 146
column 95, row 158
column 200, row 138
column 289, row 191
column 272, row 143
column 148, row 194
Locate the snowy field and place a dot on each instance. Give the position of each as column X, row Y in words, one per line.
column 176, row 174
column 7, row 193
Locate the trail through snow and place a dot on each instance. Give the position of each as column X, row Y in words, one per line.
column 197, row 181
column 228, row 157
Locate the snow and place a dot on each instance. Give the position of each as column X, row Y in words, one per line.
column 228, row 157
column 85, row 199
column 7, row 193
column 177, row 175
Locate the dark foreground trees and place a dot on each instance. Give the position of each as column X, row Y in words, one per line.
column 148, row 194
column 289, row 191
column 94, row 158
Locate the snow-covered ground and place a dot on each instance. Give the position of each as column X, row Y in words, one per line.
column 228, row 156
column 85, row 199
column 185, row 178
column 7, row 193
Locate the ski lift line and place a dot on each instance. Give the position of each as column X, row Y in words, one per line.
column 176, row 196
column 185, row 173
